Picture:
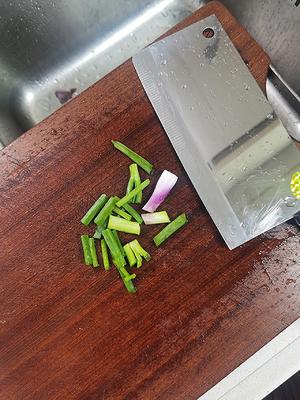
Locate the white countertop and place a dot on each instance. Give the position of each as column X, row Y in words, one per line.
column 263, row 372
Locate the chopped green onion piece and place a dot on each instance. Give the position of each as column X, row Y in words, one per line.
column 130, row 277
column 105, row 211
column 171, row 228
column 132, row 212
column 130, row 184
column 114, row 249
column 98, row 231
column 93, row 252
column 133, row 193
column 86, row 249
column 120, row 224
column 142, row 252
column 138, row 257
column 134, row 172
column 160, row 217
column 133, row 156
column 94, row 210
column 126, row 275
column 130, row 255
column 127, row 280
column 129, row 286
column 104, row 253
column 115, row 233
column 122, row 213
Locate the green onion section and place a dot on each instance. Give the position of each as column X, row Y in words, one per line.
column 134, row 172
column 86, row 249
column 129, row 255
column 137, row 255
column 127, row 279
column 146, row 165
column 104, row 253
column 93, row 252
column 114, row 249
column 98, row 231
column 170, row 229
column 127, row 207
column 94, row 210
column 120, row 224
column 122, row 213
column 105, row 211
column 133, row 193
column 125, row 276
column 130, row 184
column 137, row 248
column 115, row 233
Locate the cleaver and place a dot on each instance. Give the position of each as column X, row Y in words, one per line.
column 235, row 150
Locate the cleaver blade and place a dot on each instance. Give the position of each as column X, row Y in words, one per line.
column 235, row 150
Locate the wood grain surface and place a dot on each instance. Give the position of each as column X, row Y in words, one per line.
column 71, row 332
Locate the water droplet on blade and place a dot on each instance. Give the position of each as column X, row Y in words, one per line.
column 290, row 201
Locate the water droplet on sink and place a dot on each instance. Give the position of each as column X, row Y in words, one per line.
column 184, row 86
column 164, row 62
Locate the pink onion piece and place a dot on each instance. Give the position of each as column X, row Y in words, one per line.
column 163, row 187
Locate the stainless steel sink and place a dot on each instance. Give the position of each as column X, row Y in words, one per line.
column 52, row 45
column 47, row 46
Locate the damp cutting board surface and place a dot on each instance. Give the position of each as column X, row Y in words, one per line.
column 71, row 332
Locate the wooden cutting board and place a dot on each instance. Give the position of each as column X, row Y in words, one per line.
column 71, row 332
